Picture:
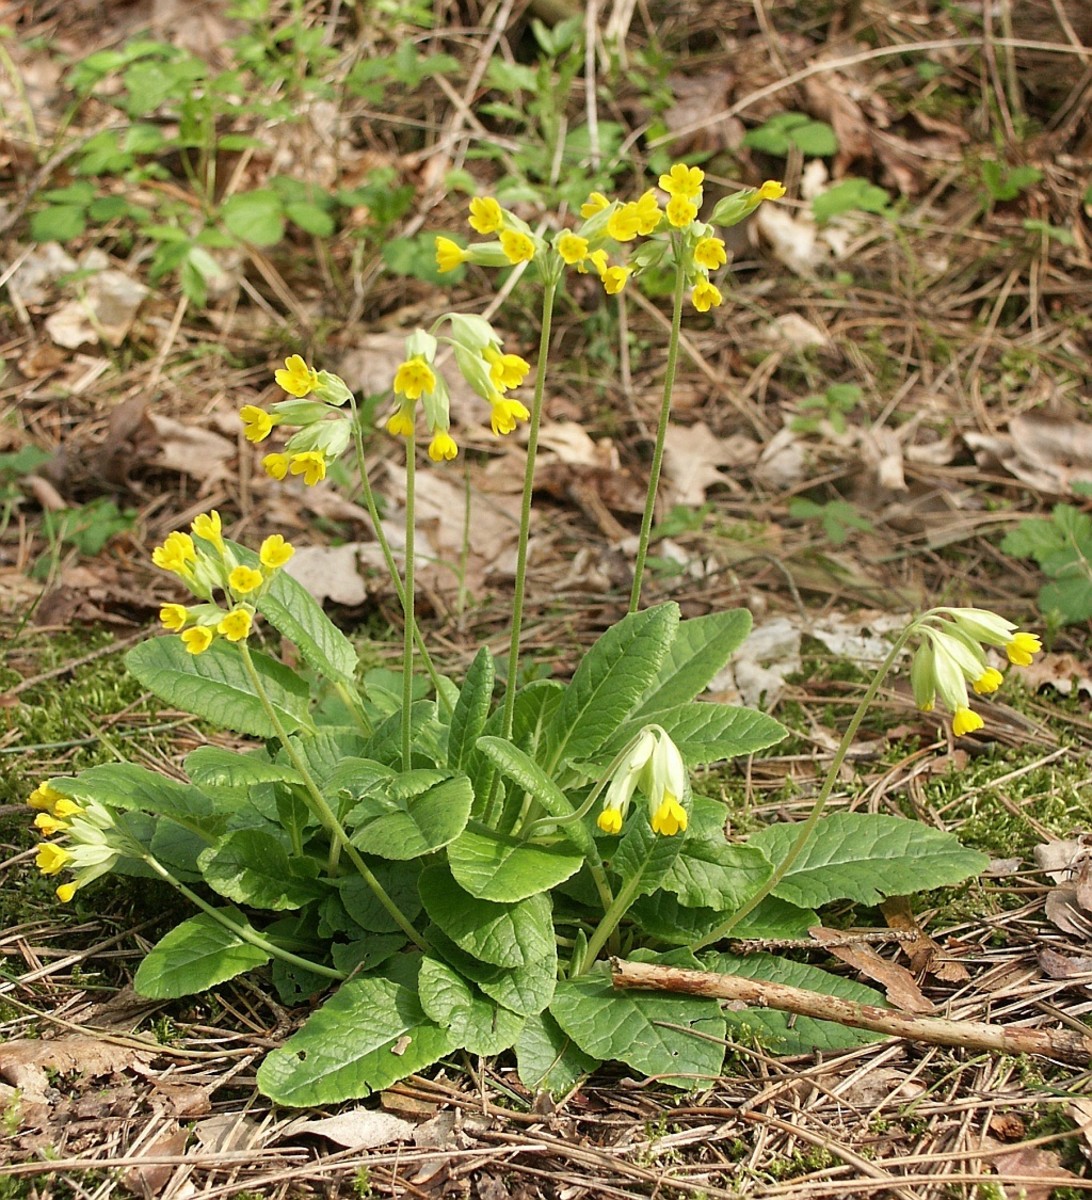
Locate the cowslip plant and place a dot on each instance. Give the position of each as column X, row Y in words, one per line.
column 454, row 864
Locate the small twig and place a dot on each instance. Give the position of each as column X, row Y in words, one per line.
column 1061, row 1044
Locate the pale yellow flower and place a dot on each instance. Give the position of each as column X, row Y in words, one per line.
column 50, row 858
column 614, row 279
column 196, row 640
column 572, row 248
column 235, row 625
column 449, row 254
column 311, row 464
column 275, row 465
column 705, row 296
column 517, row 246
column 681, row 211
column 210, row 527
column 244, row 580
column 442, row 447
column 297, row 379
column 257, row 423
column 414, row 379
column 275, row 551
column 683, row 181
column 595, row 203
column 176, row 553
column 486, row 215
column 710, row 253
column 174, row 616
column 505, row 415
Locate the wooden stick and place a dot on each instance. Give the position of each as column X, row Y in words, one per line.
column 1070, row 1047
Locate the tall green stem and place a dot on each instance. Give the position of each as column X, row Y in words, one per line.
column 549, row 294
column 661, row 432
column 388, row 554
column 322, row 810
column 808, row 827
column 407, row 607
column 606, row 927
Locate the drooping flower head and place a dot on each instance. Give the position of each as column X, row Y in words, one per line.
column 652, row 764
column 297, row 378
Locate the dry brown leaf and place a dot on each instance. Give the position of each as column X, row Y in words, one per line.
column 880, row 1085
column 897, row 982
column 1007, row 1126
column 1060, row 858
column 190, row 450
column 1064, row 966
column 1039, row 1171
column 25, row 1062
column 331, row 572
column 693, row 458
column 698, row 98
column 1063, row 910
column 1062, row 672
column 150, row 1180
column 1080, row 1111
column 1048, row 453
column 105, row 312
column 830, row 98
column 357, row 1128
column 926, row 955
column 229, row 1131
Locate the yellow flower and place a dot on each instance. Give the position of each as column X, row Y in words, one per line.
column 275, row 465
column 44, row 797
column 50, row 859
column 681, row 211
column 311, row 464
column 572, row 248
column 414, row 379
column 965, row 720
column 683, row 181
column 505, row 414
column 197, row 640
column 705, row 296
column 275, row 551
column 771, row 190
column 65, row 808
column 595, row 203
column 709, row 253
column 400, row 423
column 517, row 246
column 174, row 616
column 599, row 260
column 49, row 825
column 1022, row 648
column 297, row 379
column 614, row 279
column 505, row 370
column 235, row 625
column 624, row 223
column 669, row 818
column 66, row 891
column 257, row 423
column 208, row 526
column 648, row 213
column 244, row 580
column 486, row 215
column 449, row 254
column 176, row 553
column 989, row 681
column 610, row 821
column 442, row 447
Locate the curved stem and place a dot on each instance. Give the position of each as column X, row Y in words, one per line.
column 322, row 810
column 609, row 923
column 388, row 554
column 549, row 294
column 661, row 432
column 407, row 606
column 808, row 827
column 244, row 933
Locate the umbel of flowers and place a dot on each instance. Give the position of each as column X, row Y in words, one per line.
column 952, row 654
column 228, row 589
column 676, row 236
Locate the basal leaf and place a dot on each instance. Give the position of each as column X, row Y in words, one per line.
column 610, row 680
column 865, row 857
column 362, row 906
column 526, row 989
column 707, row 733
column 477, row 1023
column 406, row 816
column 505, row 935
column 700, row 649
column 717, row 875
column 215, row 686
column 786, row 1033
column 677, row 1038
column 252, row 867
column 224, row 773
column 644, row 858
column 471, row 710
column 196, row 955
column 493, row 867
column 368, row 1035
column 547, row 1059
column 132, row 787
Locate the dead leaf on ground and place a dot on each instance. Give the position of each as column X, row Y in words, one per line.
column 1062, row 672
column 151, row 1179
column 357, row 1128
column 103, row 312
column 879, row 1086
column 1048, row 453
column 332, row 572
column 898, row 984
column 699, row 97
column 1064, row 966
column 25, row 1062
column 926, row 956
column 229, row 1131
column 190, row 450
column 1039, row 1171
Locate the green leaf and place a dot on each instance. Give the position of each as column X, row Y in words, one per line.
column 504, row 935
column 311, row 218
column 370, row 1034
column 610, row 680
column 525, row 990
column 786, row 1033
column 197, row 955
column 644, row 858
column 252, row 867
column 865, row 857
column 405, row 816
column 226, row 774
column 214, row 685
column 363, row 907
column 700, row 649
column 709, row 874
column 256, row 217
column 547, row 1059
column 58, row 223
column 134, row 788
column 677, row 1038
column 478, row 1024
column 1071, row 598
column 706, row 733
column 471, row 710
column 291, row 609
column 493, row 867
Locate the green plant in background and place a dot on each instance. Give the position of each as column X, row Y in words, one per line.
column 455, row 864
column 850, row 195
column 831, row 408
column 788, row 131
column 837, row 517
column 1003, row 183
column 1062, row 546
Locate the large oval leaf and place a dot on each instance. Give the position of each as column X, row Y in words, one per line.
column 492, row 867
column 197, row 955
column 252, row 867
column 405, row 816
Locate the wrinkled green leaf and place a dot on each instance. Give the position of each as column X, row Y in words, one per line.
column 547, row 1059
column 252, row 867
column 405, row 816
column 196, row 955
column 717, row 875
column 477, row 1023
column 700, row 649
column 471, row 710
column 492, row 867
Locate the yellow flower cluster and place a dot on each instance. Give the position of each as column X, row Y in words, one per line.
column 93, row 840
column 209, row 573
column 653, row 765
column 952, row 655
column 480, row 360
column 322, row 432
column 514, row 241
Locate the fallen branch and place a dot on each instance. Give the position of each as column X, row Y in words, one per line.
column 1061, row 1044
